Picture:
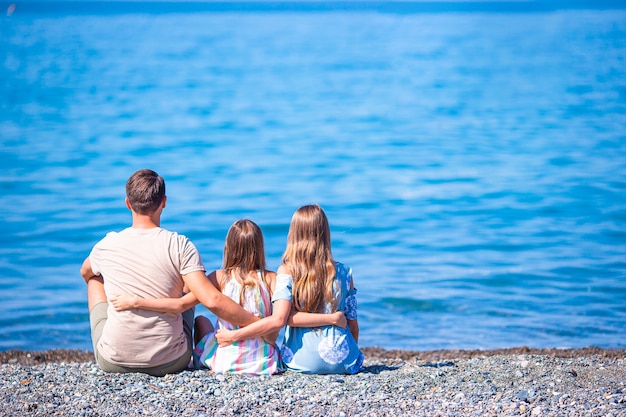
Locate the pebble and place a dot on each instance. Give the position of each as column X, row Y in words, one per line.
column 461, row 387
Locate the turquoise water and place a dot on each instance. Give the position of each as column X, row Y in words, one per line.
column 471, row 162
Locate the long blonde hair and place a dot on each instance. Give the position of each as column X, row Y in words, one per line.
column 244, row 252
column 309, row 260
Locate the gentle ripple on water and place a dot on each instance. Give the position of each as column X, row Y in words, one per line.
column 471, row 164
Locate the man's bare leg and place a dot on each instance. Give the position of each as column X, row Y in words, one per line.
column 95, row 292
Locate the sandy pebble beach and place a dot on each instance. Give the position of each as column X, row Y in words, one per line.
column 507, row 382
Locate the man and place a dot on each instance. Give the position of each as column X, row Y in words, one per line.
column 152, row 262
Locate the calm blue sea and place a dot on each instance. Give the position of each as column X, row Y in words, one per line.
column 471, row 157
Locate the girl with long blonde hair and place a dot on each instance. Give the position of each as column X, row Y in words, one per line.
column 320, row 285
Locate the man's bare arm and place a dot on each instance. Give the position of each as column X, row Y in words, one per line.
column 219, row 304
column 86, row 271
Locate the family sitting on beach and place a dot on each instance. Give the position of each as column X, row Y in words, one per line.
column 143, row 284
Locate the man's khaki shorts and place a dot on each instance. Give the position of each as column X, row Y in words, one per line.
column 98, row 317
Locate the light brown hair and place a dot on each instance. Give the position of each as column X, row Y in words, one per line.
column 244, row 253
column 145, row 190
column 309, row 260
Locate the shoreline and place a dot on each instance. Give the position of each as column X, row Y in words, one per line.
column 29, row 358
column 499, row 382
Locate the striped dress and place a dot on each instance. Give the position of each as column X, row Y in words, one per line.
column 251, row 356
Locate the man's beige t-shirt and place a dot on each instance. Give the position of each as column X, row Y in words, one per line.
column 148, row 263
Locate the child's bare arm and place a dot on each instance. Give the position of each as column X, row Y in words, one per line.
column 165, row 305
column 353, row 325
column 302, row 319
column 351, row 311
column 269, row 325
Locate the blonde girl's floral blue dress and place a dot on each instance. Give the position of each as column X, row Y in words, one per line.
column 327, row 349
